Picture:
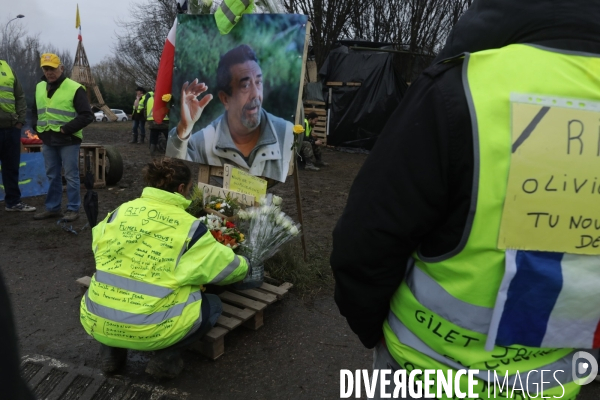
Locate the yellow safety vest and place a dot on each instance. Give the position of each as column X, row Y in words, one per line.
column 308, row 128
column 7, row 91
column 230, row 12
column 59, row 110
column 149, row 109
column 441, row 313
column 145, row 294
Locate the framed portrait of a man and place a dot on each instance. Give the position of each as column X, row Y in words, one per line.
column 235, row 96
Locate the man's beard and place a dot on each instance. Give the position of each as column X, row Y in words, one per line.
column 252, row 121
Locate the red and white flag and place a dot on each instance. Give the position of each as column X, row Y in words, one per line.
column 164, row 79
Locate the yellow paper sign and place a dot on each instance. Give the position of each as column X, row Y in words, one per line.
column 241, row 181
column 553, row 194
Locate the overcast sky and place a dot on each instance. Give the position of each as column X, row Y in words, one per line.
column 55, row 21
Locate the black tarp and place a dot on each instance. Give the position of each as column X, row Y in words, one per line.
column 357, row 114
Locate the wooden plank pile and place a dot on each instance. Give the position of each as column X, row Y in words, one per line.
column 240, row 308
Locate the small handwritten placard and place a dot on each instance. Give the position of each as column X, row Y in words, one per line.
column 241, row 181
column 209, row 190
column 553, row 187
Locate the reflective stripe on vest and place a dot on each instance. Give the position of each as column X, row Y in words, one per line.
column 55, row 112
column 229, row 13
column 132, row 285
column 228, row 270
column 410, row 339
column 139, row 319
column 433, row 296
column 191, row 232
column 71, row 114
column 7, row 91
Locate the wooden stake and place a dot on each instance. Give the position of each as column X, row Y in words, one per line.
column 298, row 122
column 299, row 206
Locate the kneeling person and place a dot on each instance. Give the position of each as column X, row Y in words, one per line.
column 151, row 259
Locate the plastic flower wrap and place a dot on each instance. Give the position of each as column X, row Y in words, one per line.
column 271, row 199
column 225, row 232
column 266, row 229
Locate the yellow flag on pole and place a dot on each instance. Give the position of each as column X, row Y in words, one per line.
column 78, row 23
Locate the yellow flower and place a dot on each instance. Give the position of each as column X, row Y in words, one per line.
column 298, row 129
column 166, row 97
column 242, row 237
column 217, row 206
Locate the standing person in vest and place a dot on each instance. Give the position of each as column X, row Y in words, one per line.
column 139, row 116
column 61, row 111
column 156, row 129
column 310, row 150
column 419, row 269
column 12, row 117
column 152, row 258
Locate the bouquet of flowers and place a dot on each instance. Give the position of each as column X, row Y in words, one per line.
column 266, row 228
column 225, row 232
column 225, row 207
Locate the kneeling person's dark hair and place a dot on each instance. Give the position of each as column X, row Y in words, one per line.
column 237, row 55
column 312, row 115
column 167, row 174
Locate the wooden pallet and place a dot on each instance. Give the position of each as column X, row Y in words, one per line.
column 240, row 308
column 319, row 108
column 92, row 156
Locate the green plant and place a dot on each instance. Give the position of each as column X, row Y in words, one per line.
column 196, row 207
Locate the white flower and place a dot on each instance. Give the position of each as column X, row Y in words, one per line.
column 242, row 214
column 279, row 219
column 294, row 230
column 277, row 200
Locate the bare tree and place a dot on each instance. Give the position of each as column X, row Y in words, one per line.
column 140, row 44
column 414, row 26
column 24, row 52
column 329, row 19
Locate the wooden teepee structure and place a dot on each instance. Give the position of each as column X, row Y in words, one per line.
column 83, row 74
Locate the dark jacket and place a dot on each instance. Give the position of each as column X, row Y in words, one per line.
column 84, row 117
column 415, row 187
column 12, row 384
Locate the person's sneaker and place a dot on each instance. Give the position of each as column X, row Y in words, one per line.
column 113, row 358
column 321, row 164
column 166, row 364
column 20, row 207
column 311, row 167
column 48, row 214
column 70, row 216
